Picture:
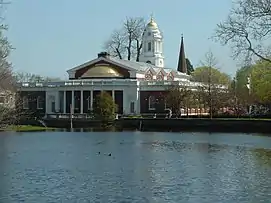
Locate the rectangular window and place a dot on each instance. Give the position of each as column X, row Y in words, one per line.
column 25, row 103
column 2, row 99
column 149, row 46
column 166, row 104
column 53, row 106
column 152, row 102
column 39, row 103
column 132, row 107
column 76, row 103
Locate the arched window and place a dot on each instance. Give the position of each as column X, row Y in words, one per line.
column 149, row 46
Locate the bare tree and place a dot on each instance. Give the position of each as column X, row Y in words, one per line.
column 178, row 97
column 8, row 90
column 247, row 29
column 212, row 91
column 126, row 42
column 29, row 77
column 116, row 44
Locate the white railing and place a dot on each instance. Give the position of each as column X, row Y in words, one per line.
column 115, row 82
column 180, row 83
column 112, row 82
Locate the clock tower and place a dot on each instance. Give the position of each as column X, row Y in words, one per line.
column 152, row 45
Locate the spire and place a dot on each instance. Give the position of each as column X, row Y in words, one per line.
column 182, row 66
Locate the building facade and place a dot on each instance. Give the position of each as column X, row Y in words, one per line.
column 136, row 87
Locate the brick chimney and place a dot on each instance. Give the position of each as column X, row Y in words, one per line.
column 103, row 54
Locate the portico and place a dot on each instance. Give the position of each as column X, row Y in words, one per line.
column 79, row 95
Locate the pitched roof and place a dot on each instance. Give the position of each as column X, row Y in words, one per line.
column 140, row 67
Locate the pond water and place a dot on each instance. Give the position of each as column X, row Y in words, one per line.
column 134, row 167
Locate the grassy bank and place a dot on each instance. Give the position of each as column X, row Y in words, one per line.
column 25, row 128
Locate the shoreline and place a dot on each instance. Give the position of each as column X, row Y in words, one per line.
column 25, row 128
column 240, row 125
column 247, row 125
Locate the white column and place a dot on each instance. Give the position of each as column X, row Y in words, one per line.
column 64, row 101
column 91, row 100
column 47, row 107
column 113, row 95
column 82, row 102
column 72, row 102
column 125, row 105
column 57, row 101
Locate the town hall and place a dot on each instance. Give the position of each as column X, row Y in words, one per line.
column 136, row 87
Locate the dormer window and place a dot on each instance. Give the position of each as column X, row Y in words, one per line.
column 148, row 62
column 160, row 76
column 148, row 75
column 170, row 77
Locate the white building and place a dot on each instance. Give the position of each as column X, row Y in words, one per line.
column 136, row 87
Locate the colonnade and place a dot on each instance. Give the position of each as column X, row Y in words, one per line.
column 81, row 99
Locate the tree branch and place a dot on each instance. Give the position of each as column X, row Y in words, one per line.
column 247, row 28
column 126, row 42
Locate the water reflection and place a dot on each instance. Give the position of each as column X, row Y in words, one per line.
column 263, row 156
column 143, row 167
column 109, row 128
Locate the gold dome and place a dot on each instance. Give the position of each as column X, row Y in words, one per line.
column 152, row 23
column 101, row 71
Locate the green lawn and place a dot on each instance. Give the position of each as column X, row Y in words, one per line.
column 25, row 128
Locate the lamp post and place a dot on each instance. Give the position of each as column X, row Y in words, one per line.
column 210, row 92
column 249, row 92
column 234, row 96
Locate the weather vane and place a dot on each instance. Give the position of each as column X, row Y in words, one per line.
column 151, row 16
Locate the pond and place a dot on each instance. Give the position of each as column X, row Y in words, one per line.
column 134, row 167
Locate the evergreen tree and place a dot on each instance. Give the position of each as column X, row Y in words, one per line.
column 104, row 107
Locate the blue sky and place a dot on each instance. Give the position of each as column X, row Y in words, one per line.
column 51, row 36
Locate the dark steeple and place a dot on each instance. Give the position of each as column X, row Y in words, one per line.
column 182, row 66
